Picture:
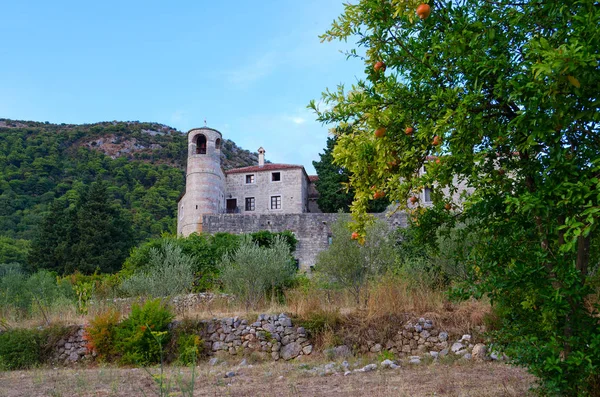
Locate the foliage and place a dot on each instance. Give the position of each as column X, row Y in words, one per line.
column 26, row 295
column 349, row 264
column 316, row 322
column 94, row 234
column 500, row 97
column 136, row 336
column 169, row 272
column 142, row 162
column 205, row 250
column 250, row 271
column 189, row 348
column 20, row 348
column 100, row 334
column 335, row 194
column 13, row 250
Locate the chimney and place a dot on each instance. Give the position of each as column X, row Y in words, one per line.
column 261, row 156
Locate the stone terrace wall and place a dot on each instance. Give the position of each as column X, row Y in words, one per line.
column 274, row 335
column 311, row 229
column 270, row 335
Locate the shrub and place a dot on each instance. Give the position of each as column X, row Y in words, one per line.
column 169, row 272
column 190, row 347
column 101, row 332
column 20, row 348
column 250, row 271
column 348, row 264
column 140, row 337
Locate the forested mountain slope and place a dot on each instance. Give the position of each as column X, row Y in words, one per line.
column 143, row 163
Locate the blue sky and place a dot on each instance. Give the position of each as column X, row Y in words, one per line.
column 249, row 68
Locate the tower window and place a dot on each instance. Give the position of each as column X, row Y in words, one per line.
column 249, row 203
column 250, row 178
column 275, row 202
column 276, row 176
column 218, row 144
column 201, row 144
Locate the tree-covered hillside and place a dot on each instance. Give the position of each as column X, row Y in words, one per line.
column 142, row 163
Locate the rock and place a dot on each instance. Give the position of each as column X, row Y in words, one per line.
column 394, row 366
column 368, row 368
column 347, row 373
column 218, row 346
column 414, row 360
column 443, row 336
column 467, row 356
column 230, row 374
column 376, row 348
column 269, row 328
column 461, row 352
column 434, row 354
column 301, row 330
column 243, row 363
column 256, row 324
column 285, row 322
column 466, row 337
column 345, row 365
column 275, row 355
column 68, row 345
column 444, row 353
column 290, row 351
column 74, row 357
column 479, row 352
column 425, row 334
column 386, row 363
column 342, row 351
column 418, row 328
column 307, row 349
column 457, row 347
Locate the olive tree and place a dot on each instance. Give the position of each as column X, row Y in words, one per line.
column 499, row 96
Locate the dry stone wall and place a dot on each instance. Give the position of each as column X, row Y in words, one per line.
column 273, row 335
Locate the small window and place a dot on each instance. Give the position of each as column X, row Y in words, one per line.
column 275, row 176
column 249, row 203
column 250, row 178
column 427, row 195
column 275, row 202
column 218, row 144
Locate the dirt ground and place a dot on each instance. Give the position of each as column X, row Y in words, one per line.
column 272, row 379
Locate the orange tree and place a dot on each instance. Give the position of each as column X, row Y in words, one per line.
column 500, row 96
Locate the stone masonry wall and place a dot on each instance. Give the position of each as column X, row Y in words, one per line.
column 272, row 335
column 311, row 229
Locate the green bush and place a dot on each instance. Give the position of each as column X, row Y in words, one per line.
column 141, row 337
column 20, row 348
column 316, row 322
column 251, row 271
column 190, row 348
column 169, row 272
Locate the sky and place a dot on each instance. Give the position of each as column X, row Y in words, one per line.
column 249, row 68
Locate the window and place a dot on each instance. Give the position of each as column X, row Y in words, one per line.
column 275, row 202
column 249, row 203
column 427, row 195
column 250, row 178
column 218, row 144
column 275, row 176
column 201, row 144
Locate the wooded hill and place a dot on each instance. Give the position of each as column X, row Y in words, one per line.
column 143, row 164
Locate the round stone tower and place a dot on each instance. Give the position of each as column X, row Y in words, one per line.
column 205, row 181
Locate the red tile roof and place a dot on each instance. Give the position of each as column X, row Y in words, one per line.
column 313, row 178
column 266, row 167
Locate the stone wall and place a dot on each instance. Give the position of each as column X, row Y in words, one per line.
column 272, row 335
column 312, row 230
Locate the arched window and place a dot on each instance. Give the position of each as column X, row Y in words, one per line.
column 218, row 144
column 200, row 144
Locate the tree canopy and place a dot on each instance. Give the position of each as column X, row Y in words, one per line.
column 500, row 97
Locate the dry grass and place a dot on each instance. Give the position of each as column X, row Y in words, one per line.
column 292, row 378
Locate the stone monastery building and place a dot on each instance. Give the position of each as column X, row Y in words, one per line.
column 274, row 197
